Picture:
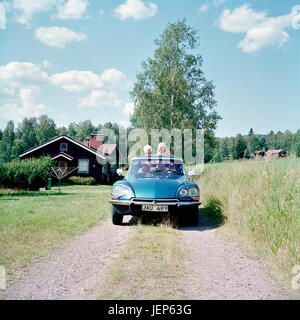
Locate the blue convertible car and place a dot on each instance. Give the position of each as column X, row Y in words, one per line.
column 156, row 184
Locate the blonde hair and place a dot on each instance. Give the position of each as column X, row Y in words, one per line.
column 146, row 148
column 161, row 145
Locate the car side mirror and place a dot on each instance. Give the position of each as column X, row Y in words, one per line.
column 120, row 172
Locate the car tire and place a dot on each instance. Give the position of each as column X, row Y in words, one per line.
column 194, row 216
column 189, row 216
column 117, row 219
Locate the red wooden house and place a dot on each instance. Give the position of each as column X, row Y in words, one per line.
column 279, row 153
column 71, row 153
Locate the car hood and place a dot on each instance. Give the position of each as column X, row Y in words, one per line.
column 156, row 188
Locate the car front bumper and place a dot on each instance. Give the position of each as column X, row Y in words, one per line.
column 134, row 206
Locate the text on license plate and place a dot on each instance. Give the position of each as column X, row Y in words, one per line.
column 150, row 207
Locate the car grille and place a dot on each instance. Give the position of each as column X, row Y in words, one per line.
column 154, row 200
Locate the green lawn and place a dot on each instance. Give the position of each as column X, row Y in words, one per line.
column 33, row 223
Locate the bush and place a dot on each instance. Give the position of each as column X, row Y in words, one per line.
column 29, row 174
column 82, row 180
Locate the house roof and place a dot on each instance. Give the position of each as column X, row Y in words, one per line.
column 107, row 148
column 63, row 155
column 275, row 151
column 78, row 143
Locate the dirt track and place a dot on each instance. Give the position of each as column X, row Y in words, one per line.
column 214, row 269
column 74, row 271
column 218, row 269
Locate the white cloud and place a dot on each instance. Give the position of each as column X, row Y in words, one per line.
column 129, row 109
column 101, row 98
column 9, row 91
column 25, row 108
column 261, row 31
column 18, row 81
column 26, row 9
column 240, row 19
column 22, row 72
column 46, row 64
column 72, row 9
column 204, row 8
column 114, row 78
column 58, row 36
column 76, row 80
column 296, row 17
column 135, row 9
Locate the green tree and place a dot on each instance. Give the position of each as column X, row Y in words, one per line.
column 295, row 144
column 62, row 131
column 253, row 143
column 25, row 136
column 251, row 132
column 84, row 130
column 224, row 146
column 239, row 147
column 8, row 138
column 45, row 129
column 72, row 129
column 171, row 91
column 262, row 143
column 217, row 155
column 247, row 153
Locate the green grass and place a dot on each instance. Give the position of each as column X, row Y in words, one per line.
column 148, row 267
column 33, row 223
column 261, row 203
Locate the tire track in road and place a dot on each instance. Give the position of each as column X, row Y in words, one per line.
column 74, row 271
column 218, row 269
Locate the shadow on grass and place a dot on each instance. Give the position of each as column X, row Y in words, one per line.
column 33, row 194
column 210, row 217
column 212, row 213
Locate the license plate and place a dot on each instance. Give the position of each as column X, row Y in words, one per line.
column 150, row 207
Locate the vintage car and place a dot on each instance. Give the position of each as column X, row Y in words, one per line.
column 156, row 184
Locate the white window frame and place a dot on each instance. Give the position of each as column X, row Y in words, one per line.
column 60, row 149
column 88, row 166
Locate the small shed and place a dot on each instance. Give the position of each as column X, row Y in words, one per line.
column 277, row 153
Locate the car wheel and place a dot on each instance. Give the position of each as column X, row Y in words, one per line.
column 117, row 219
column 189, row 216
column 194, row 216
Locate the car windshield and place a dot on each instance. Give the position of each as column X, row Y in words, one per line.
column 151, row 168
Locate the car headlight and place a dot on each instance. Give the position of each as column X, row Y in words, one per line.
column 193, row 192
column 120, row 190
column 183, row 192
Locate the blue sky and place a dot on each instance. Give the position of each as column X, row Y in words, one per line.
column 77, row 59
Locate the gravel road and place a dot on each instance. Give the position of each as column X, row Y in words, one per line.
column 214, row 267
column 218, row 269
column 74, row 271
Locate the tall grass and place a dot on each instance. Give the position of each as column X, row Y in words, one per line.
column 261, row 201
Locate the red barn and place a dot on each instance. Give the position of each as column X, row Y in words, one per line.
column 279, row 153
